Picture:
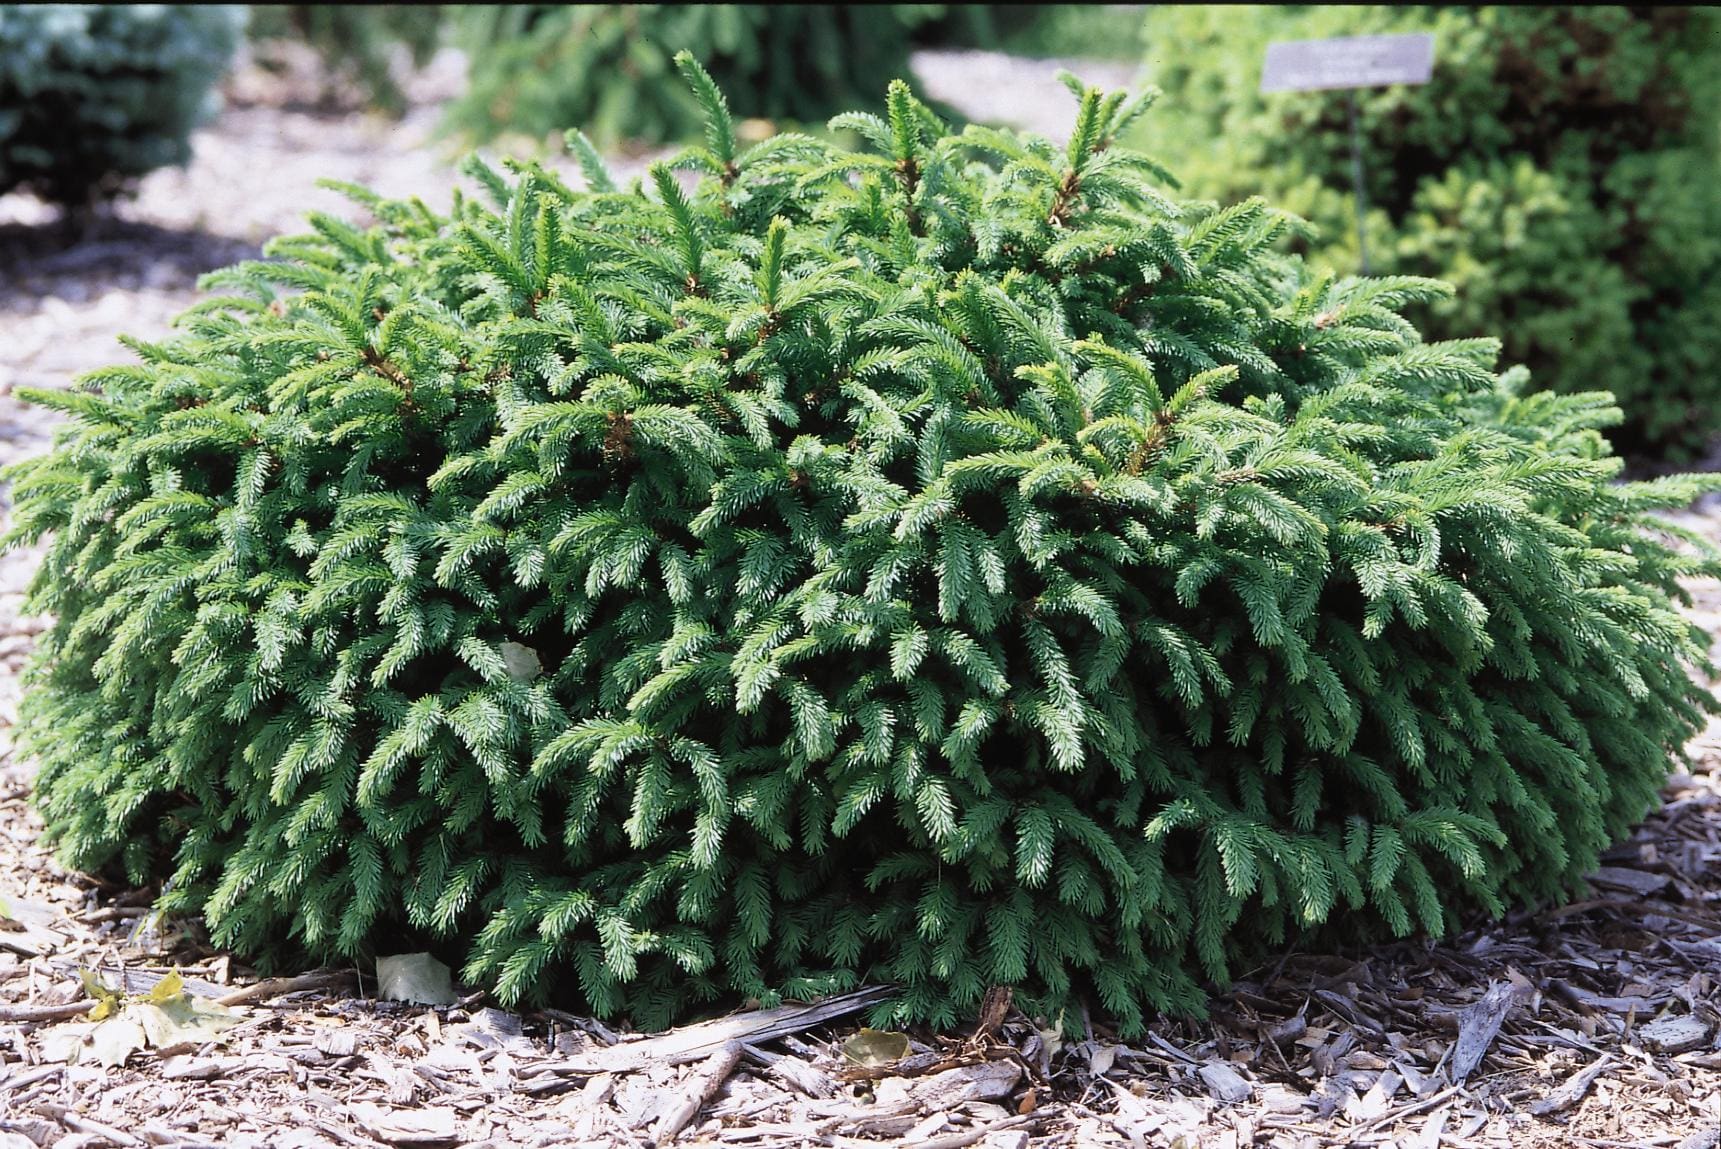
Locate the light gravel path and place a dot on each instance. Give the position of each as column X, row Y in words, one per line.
column 1023, row 94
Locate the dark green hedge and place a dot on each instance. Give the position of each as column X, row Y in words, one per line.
column 1561, row 171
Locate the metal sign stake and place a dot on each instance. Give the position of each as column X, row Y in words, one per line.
column 1357, row 180
column 1350, row 62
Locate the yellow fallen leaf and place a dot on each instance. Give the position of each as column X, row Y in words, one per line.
column 107, row 1000
column 166, row 989
column 181, row 1020
column 118, row 1026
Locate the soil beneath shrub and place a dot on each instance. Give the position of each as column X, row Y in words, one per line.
column 1592, row 1024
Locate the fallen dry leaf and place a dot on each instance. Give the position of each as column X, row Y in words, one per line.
column 417, row 978
column 875, row 1047
column 165, row 1018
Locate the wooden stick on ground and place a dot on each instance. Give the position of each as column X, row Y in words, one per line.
column 1572, row 1092
column 706, row 1083
column 699, row 1041
column 28, row 1076
column 62, row 1012
column 1422, row 1106
column 277, row 986
column 953, row 1140
column 78, row 1123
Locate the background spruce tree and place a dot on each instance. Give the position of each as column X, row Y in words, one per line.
column 608, row 68
column 356, row 43
column 953, row 562
column 93, row 96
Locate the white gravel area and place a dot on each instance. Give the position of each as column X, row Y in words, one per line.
column 1016, row 92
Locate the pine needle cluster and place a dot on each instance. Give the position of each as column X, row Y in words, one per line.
column 954, row 562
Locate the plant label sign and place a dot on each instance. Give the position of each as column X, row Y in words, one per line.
column 1348, row 62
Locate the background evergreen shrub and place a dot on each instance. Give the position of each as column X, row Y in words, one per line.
column 952, row 562
column 94, row 95
column 1084, row 31
column 1562, row 170
column 538, row 68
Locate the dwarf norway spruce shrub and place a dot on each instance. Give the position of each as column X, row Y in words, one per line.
column 953, row 562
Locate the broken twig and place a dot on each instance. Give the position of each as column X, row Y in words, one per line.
column 705, row 1084
column 279, row 986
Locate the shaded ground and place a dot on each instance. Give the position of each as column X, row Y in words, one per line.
column 1592, row 1024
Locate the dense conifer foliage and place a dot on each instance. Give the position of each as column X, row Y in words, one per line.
column 94, row 95
column 1562, row 169
column 954, row 562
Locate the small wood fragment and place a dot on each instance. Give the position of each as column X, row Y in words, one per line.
column 801, row 1077
column 926, row 1128
column 335, row 1042
column 1590, row 1002
column 78, row 1123
column 706, row 1083
column 406, row 1126
column 27, row 1076
column 1573, row 1089
column 1224, row 1083
column 1430, row 1102
column 986, row 1081
column 1632, row 881
column 949, row 1141
column 971, row 1136
column 187, row 1068
column 280, row 986
column 1479, row 1026
column 994, row 1008
column 1678, row 1033
column 1420, row 1083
